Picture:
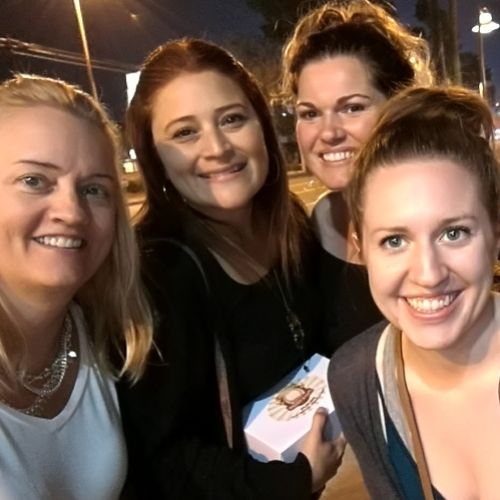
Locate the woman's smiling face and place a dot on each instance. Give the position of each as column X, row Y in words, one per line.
column 337, row 107
column 210, row 141
column 429, row 246
column 57, row 200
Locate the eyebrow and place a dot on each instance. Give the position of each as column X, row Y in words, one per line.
column 341, row 100
column 220, row 109
column 442, row 223
column 43, row 164
column 53, row 166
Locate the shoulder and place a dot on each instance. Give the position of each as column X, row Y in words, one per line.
column 356, row 358
column 321, row 211
column 166, row 259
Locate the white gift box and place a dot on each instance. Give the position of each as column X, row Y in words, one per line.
column 276, row 423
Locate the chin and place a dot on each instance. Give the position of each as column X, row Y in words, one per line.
column 336, row 180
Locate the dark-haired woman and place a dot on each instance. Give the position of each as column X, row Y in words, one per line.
column 343, row 61
column 227, row 258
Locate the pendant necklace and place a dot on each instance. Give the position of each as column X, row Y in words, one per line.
column 293, row 321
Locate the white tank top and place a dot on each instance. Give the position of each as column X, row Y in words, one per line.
column 79, row 454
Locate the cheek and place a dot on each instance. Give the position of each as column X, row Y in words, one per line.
column 105, row 222
column 385, row 278
column 175, row 160
column 304, row 135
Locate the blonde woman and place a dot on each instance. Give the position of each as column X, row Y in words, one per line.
column 69, row 294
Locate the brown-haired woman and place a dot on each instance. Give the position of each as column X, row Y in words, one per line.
column 69, row 293
column 343, row 61
column 419, row 399
column 226, row 254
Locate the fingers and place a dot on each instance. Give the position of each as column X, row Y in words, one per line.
column 319, row 421
column 340, row 441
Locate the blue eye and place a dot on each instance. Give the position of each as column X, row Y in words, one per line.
column 34, row 182
column 394, row 241
column 457, row 233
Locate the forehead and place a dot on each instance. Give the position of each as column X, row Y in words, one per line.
column 190, row 92
column 336, row 76
column 50, row 134
column 420, row 190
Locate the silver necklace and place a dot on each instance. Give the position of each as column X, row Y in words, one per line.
column 293, row 321
column 50, row 378
column 45, row 383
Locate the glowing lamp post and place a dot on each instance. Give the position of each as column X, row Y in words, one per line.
column 86, row 53
column 486, row 25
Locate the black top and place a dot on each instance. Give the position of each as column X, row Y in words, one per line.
column 349, row 306
column 172, row 418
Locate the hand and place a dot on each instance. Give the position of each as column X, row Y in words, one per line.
column 324, row 456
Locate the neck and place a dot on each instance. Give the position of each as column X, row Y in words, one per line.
column 239, row 219
column 40, row 321
column 477, row 351
column 342, row 226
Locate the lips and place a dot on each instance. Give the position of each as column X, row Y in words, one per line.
column 65, row 242
column 431, row 305
column 337, row 156
column 232, row 169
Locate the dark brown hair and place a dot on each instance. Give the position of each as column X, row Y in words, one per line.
column 287, row 221
column 451, row 123
column 396, row 58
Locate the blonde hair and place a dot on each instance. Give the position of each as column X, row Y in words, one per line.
column 113, row 301
column 396, row 57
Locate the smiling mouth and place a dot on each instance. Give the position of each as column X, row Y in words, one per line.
column 225, row 171
column 429, row 305
column 60, row 242
column 337, row 156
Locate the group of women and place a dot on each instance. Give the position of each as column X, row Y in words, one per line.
column 227, row 285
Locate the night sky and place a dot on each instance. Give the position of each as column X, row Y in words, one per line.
column 126, row 30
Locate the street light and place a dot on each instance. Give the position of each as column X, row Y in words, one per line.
column 486, row 25
column 86, row 53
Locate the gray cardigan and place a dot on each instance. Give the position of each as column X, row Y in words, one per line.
column 352, row 379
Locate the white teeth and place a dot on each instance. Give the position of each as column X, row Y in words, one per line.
column 230, row 170
column 339, row 156
column 60, row 241
column 431, row 305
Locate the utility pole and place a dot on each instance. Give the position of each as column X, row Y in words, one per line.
column 456, row 72
column 86, row 53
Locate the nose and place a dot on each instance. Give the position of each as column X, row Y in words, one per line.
column 215, row 143
column 332, row 128
column 427, row 267
column 68, row 206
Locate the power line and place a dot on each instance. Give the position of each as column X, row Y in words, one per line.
column 38, row 51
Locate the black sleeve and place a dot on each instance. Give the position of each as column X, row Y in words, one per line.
column 171, row 417
column 352, row 382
